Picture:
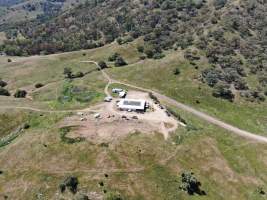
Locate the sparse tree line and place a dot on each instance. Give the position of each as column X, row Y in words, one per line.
column 4, row 92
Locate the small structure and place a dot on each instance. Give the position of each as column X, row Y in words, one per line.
column 132, row 104
column 97, row 116
column 122, row 94
column 108, row 99
column 117, row 90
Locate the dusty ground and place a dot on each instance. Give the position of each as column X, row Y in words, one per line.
column 114, row 124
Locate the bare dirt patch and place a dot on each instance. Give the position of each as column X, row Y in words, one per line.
column 113, row 124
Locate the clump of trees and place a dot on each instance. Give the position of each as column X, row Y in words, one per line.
column 20, row 94
column 3, row 83
column 117, row 59
column 4, row 92
column 70, row 75
column 191, row 184
column 223, row 91
column 102, row 64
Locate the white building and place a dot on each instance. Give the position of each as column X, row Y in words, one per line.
column 132, row 104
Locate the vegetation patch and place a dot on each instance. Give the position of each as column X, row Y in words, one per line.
column 63, row 136
column 80, row 94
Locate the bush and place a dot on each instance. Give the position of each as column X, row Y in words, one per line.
column 176, row 71
column 223, row 91
column 20, row 94
column 102, row 64
column 4, row 92
column 3, row 83
column 78, row 75
column 67, row 72
column 38, row 85
column 120, row 62
column 190, row 184
column 9, row 60
column 71, row 183
column 140, row 49
column 113, row 57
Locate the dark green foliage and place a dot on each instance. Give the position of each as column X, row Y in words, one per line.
column 4, row 92
column 219, row 3
column 39, row 85
column 71, row 93
column 20, row 94
column 190, row 184
column 67, row 72
column 120, row 62
column 9, row 60
column 113, row 57
column 63, row 136
column 235, row 40
column 176, row 71
column 3, row 83
column 140, row 49
column 102, row 64
column 71, row 183
column 223, row 91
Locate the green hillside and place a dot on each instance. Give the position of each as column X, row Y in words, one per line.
column 60, row 141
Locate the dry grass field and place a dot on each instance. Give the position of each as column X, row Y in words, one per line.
column 139, row 165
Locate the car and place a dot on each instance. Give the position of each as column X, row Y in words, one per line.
column 108, row 99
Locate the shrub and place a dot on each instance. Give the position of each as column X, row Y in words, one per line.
column 113, row 57
column 38, row 85
column 4, row 92
column 20, row 94
column 67, row 72
column 78, row 75
column 3, row 83
column 190, row 184
column 223, row 91
column 71, row 182
column 120, row 62
column 9, row 60
column 102, row 64
column 140, row 49
column 176, row 71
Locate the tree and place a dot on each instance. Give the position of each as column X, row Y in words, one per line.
column 38, row 85
column 223, row 91
column 113, row 57
column 2, row 83
column 4, row 92
column 67, row 72
column 190, row 184
column 120, row 62
column 71, row 182
column 20, row 94
column 140, row 49
column 102, row 64
column 176, row 71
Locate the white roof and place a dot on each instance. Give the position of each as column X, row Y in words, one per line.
column 132, row 104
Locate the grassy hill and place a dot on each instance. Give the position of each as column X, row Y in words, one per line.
column 27, row 10
column 188, row 50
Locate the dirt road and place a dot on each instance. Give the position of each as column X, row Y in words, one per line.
column 166, row 99
column 187, row 108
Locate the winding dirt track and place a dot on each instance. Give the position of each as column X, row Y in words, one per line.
column 187, row 108
column 166, row 99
